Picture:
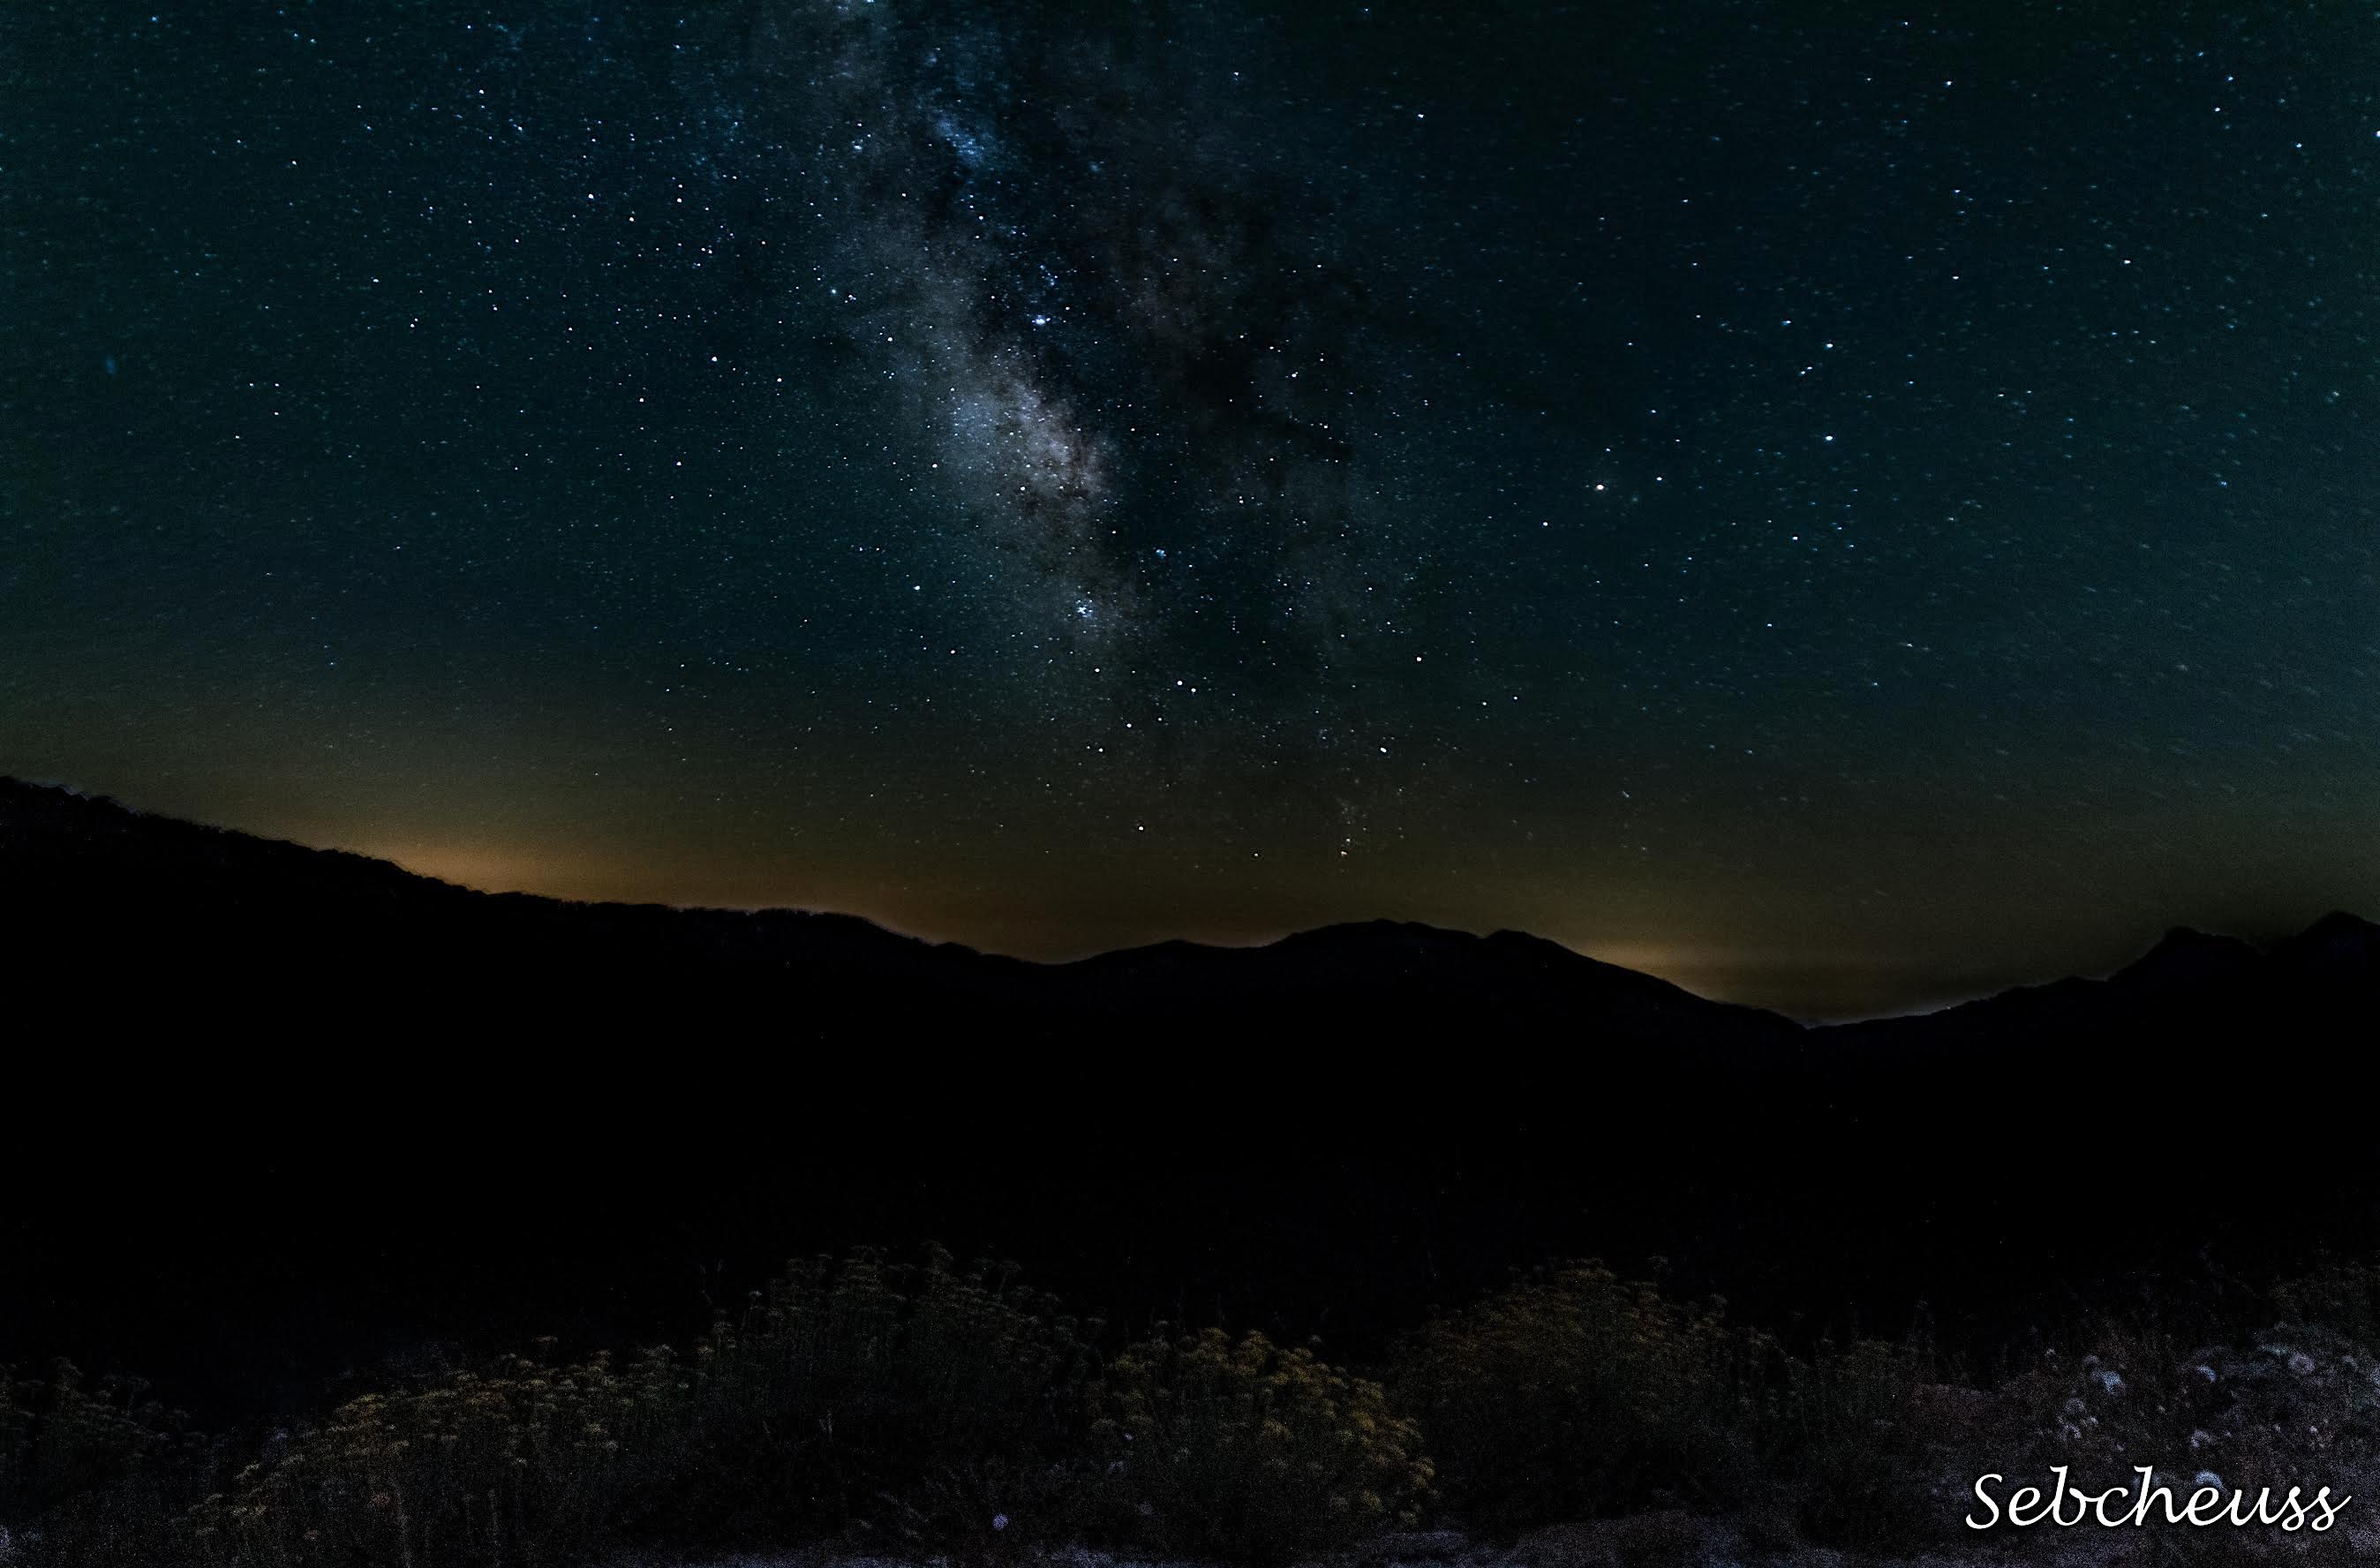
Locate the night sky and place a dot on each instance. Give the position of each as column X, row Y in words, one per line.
column 1840, row 505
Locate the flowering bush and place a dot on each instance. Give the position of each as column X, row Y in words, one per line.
column 1574, row 1393
column 60, row 1438
column 917, row 1402
column 101, row 1468
column 1246, row 1451
column 519, row 1462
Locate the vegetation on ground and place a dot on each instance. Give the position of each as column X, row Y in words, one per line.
column 929, row 1409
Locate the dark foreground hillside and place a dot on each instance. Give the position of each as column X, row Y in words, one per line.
column 280, row 1110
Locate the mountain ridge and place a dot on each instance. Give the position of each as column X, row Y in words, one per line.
column 42, row 824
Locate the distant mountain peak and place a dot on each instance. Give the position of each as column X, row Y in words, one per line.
column 2188, row 956
column 2340, row 946
column 2341, row 925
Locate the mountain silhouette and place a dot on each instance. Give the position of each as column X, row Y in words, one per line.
column 96, row 895
column 89, row 882
column 247, row 1071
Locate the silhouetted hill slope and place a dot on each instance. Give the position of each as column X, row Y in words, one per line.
column 273, row 1107
column 2193, row 1000
column 91, row 886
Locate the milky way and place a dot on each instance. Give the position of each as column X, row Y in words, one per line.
column 1092, row 294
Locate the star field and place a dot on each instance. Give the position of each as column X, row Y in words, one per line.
column 1844, row 505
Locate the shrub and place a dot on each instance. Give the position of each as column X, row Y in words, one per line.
column 1861, row 1435
column 105, row 1471
column 1574, row 1393
column 1248, row 1452
column 917, row 1402
column 520, row 1463
column 60, row 1440
column 923, row 1403
column 2342, row 1297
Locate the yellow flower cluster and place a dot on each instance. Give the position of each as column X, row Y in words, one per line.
column 496, row 1464
column 1242, row 1447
